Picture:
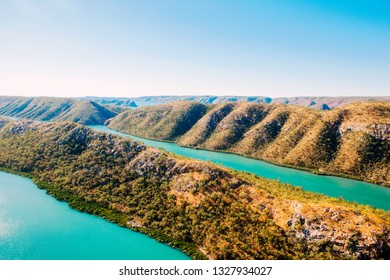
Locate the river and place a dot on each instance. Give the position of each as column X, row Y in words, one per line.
column 351, row 190
column 35, row 226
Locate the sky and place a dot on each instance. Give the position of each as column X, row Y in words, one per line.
column 127, row 48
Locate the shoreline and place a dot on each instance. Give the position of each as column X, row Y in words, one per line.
column 125, row 218
column 300, row 168
column 111, row 216
column 305, row 169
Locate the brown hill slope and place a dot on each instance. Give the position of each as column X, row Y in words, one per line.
column 191, row 204
column 351, row 141
column 165, row 122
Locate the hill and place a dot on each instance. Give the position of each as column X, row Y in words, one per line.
column 194, row 205
column 314, row 102
column 3, row 122
column 165, row 122
column 327, row 103
column 117, row 102
column 351, row 141
column 55, row 109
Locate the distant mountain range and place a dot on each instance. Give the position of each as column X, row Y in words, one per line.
column 55, row 109
column 319, row 103
column 351, row 141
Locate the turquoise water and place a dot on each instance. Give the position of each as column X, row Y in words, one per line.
column 33, row 225
column 352, row 190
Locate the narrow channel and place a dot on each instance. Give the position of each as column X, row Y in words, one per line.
column 351, row 190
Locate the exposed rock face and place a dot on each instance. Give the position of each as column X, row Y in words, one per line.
column 318, row 231
column 151, row 164
column 378, row 131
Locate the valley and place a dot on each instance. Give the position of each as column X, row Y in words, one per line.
column 190, row 204
column 352, row 141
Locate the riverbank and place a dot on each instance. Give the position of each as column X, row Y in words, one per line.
column 229, row 214
column 351, row 190
column 301, row 168
column 109, row 215
column 350, row 142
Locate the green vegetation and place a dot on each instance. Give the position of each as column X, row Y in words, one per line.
column 202, row 130
column 109, row 214
column 165, row 122
column 352, row 141
column 231, row 128
column 3, row 122
column 193, row 205
column 55, row 109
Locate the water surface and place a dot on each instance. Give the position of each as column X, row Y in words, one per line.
column 351, row 190
column 35, row 226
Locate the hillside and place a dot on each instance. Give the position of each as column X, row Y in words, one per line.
column 165, row 122
column 187, row 203
column 117, row 102
column 327, row 103
column 351, row 141
column 3, row 122
column 314, row 102
column 55, row 109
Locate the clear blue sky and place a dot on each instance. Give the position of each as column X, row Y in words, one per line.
column 149, row 47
